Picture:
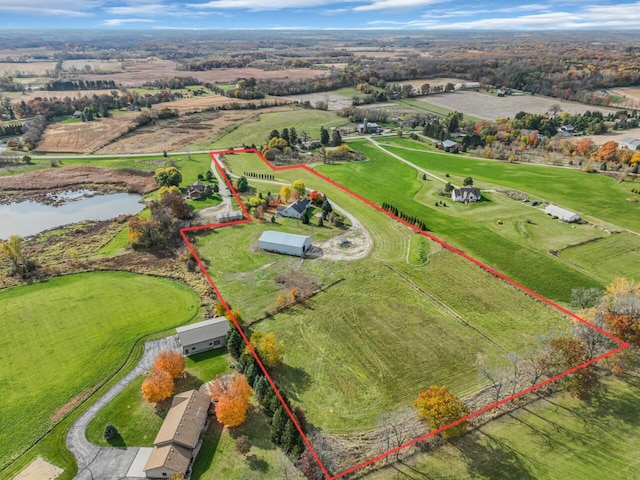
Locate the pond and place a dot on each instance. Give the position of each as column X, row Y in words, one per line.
column 30, row 218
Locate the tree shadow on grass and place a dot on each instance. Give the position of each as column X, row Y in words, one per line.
column 257, row 464
column 209, row 445
column 257, row 427
column 296, row 380
column 117, row 441
column 492, row 458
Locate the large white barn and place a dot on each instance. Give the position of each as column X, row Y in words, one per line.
column 287, row 243
column 561, row 213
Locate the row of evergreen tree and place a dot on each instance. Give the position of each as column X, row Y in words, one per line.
column 283, row 432
column 267, row 176
column 407, row 218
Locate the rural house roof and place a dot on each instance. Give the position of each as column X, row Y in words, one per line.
column 630, row 143
column 202, row 331
column 199, row 186
column 281, row 238
column 184, row 422
column 301, row 205
column 173, row 457
column 450, row 144
column 465, row 191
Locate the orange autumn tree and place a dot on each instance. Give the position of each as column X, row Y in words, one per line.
column 439, row 407
column 171, row 362
column 157, row 386
column 231, row 395
column 608, row 151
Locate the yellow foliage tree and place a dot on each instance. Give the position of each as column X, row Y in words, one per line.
column 635, row 158
column 439, row 407
column 298, row 186
column 294, row 293
column 281, row 301
column 285, row 193
column 269, row 350
column 219, row 310
column 171, row 362
column 157, row 386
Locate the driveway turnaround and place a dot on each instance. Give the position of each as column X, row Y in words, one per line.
column 111, row 463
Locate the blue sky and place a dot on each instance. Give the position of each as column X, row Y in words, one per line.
column 322, row 14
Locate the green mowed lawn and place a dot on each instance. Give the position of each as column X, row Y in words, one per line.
column 308, row 121
column 384, row 179
column 615, row 256
column 137, row 421
column 555, row 438
column 218, row 457
column 369, row 344
column 62, row 337
column 606, row 199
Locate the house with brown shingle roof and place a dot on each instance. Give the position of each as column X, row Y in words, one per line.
column 176, row 444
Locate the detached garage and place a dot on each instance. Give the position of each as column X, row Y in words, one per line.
column 203, row 336
column 561, row 213
column 287, row 243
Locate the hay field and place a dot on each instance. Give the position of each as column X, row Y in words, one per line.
column 138, row 72
column 35, row 68
column 84, row 137
column 334, row 100
column 490, row 107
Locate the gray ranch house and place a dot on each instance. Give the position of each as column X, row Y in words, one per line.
column 203, row 336
column 296, row 210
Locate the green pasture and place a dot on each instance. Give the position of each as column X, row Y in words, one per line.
column 62, row 337
column 558, row 437
column 605, row 201
column 376, row 337
column 384, row 179
column 137, row 421
column 369, row 344
column 617, row 255
column 308, row 121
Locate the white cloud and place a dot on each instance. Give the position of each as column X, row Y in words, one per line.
column 71, row 8
column 620, row 16
column 258, row 5
column 115, row 22
column 396, row 4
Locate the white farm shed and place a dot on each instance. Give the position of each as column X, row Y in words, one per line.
column 203, row 336
column 287, row 243
column 561, row 213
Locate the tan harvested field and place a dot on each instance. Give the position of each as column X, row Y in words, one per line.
column 631, row 96
column 35, row 68
column 197, row 104
column 59, row 94
column 335, row 101
column 615, row 136
column 181, row 133
column 84, row 137
column 99, row 65
column 137, row 73
column 490, row 107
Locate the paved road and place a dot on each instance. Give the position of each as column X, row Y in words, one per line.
column 110, row 463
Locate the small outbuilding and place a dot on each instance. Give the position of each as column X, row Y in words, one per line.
column 629, row 143
column 287, row 243
column 561, row 213
column 466, row 194
column 203, row 336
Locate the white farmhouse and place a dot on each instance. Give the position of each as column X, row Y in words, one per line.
column 466, row 194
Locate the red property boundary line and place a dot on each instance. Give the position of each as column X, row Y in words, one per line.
column 247, row 219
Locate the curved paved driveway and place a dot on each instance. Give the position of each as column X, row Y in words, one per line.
column 111, row 463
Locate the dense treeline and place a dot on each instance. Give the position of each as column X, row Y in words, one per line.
column 173, row 83
column 80, row 85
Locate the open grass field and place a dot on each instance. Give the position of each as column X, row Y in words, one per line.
column 384, row 179
column 425, row 105
column 558, row 437
column 308, row 121
column 137, row 421
column 609, row 257
column 489, row 107
column 387, row 330
column 606, row 201
column 56, row 351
